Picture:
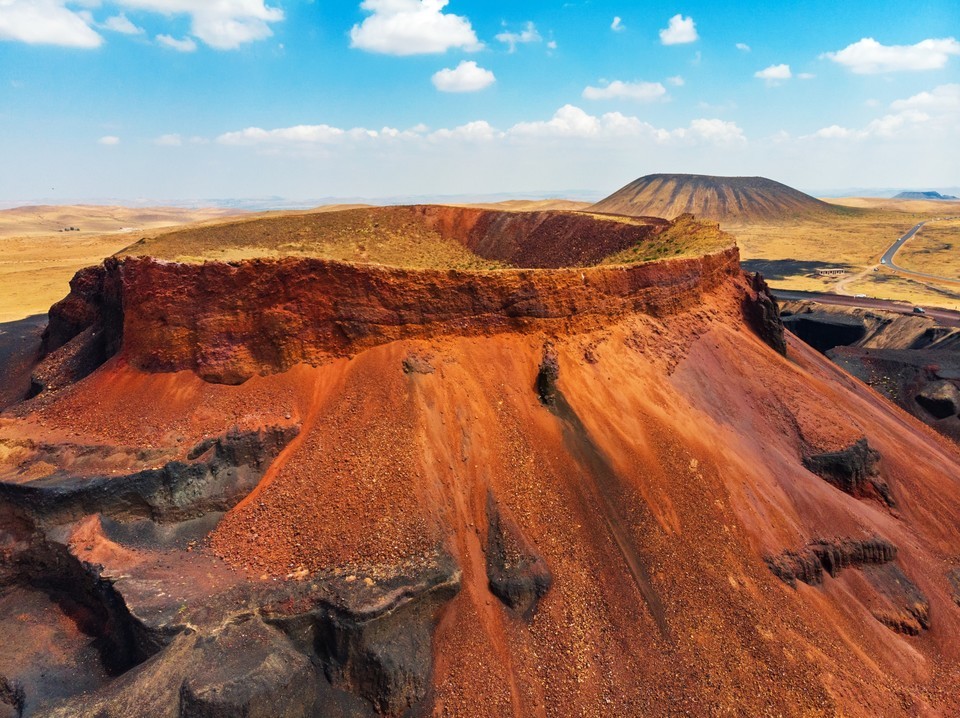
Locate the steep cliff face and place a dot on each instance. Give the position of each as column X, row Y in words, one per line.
column 229, row 322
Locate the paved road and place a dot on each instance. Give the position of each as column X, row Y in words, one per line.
column 946, row 317
column 887, row 258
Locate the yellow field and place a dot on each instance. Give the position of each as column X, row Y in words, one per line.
column 37, row 260
column 790, row 253
column 935, row 249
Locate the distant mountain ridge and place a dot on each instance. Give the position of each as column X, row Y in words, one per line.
column 723, row 199
column 922, row 195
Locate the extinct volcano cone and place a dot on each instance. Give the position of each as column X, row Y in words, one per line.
column 557, row 465
column 729, row 200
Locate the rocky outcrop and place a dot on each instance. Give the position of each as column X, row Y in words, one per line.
column 941, row 398
column 229, row 322
column 763, row 315
column 852, row 470
column 174, row 492
column 11, row 699
column 547, row 376
column 517, row 574
column 905, row 608
column 374, row 640
column 809, row 564
column 825, row 331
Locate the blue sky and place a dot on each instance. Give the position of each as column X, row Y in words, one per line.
column 184, row 99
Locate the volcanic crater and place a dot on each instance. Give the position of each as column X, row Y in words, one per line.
column 450, row 461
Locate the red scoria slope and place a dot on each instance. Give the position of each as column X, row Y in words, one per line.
column 518, row 493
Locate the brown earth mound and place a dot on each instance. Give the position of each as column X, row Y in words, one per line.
column 722, row 199
column 562, row 492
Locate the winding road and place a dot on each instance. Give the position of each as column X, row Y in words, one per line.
column 887, row 258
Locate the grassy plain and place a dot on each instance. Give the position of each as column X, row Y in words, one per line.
column 37, row 260
column 789, row 253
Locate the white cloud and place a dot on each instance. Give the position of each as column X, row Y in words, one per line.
column 121, row 23
column 411, row 27
column 185, row 45
column 676, row 81
column 172, row 140
column 299, row 134
column 774, row 73
column 642, row 91
column 568, row 123
column 867, row 56
column 805, row 76
column 528, row 34
column 552, row 45
column 944, row 98
column 109, row 140
column 221, row 24
column 466, row 77
column 617, row 25
column 479, row 131
column 743, row 47
column 681, row 30
column 926, row 115
column 46, row 22
column 719, row 132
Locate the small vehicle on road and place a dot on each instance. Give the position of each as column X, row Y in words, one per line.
column 919, row 310
column 859, row 296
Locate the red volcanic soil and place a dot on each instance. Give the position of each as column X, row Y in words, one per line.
column 524, row 492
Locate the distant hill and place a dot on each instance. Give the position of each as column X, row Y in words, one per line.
column 724, row 199
column 923, row 195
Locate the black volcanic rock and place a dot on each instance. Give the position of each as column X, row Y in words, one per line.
column 809, row 564
column 852, row 470
column 518, row 574
column 763, row 314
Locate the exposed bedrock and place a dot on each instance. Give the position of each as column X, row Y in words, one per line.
column 941, row 398
column 825, row 331
column 547, row 375
column 177, row 491
column 376, row 641
column 762, row 313
column 853, row 470
column 229, row 322
column 11, row 699
column 518, row 575
column 809, row 564
column 904, row 607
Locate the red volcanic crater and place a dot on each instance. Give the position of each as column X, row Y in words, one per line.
column 577, row 482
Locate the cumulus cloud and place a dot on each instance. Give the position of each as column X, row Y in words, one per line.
column 411, row 27
column 805, row 76
column 945, row 98
column 185, row 45
column 466, row 77
column 527, row 35
column 743, row 47
column 617, row 25
column 223, row 24
column 642, row 91
column 109, row 140
column 46, row 22
column 676, row 81
column 774, row 73
column 569, row 123
column 868, row 57
column 478, row 131
column 172, row 140
column 680, row 31
column 121, row 23
column 929, row 114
